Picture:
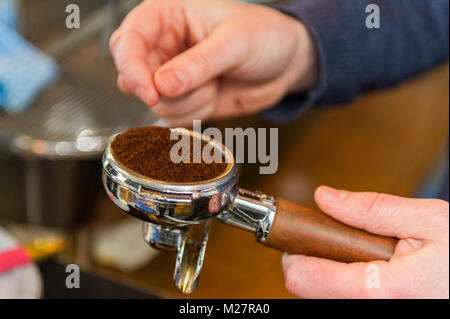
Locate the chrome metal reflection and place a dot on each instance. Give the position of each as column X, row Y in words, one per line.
column 177, row 216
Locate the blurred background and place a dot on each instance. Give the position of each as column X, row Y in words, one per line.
column 53, row 132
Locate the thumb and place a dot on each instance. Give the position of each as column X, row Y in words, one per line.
column 384, row 214
column 220, row 51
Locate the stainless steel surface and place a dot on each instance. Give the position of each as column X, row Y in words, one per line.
column 182, row 212
column 161, row 237
column 189, row 244
column 75, row 116
column 173, row 207
column 190, row 255
column 53, row 193
column 71, row 121
column 251, row 211
column 50, row 153
column 164, row 203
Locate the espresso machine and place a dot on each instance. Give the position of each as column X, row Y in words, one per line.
column 50, row 152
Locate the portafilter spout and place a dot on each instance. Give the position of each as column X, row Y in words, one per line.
column 177, row 217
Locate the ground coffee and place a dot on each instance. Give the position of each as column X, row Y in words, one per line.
column 146, row 151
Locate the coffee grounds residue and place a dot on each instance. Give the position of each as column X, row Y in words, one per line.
column 146, row 151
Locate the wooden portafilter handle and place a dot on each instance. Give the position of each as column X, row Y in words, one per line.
column 301, row 230
column 296, row 229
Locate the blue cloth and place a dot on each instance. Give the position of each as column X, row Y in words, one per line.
column 8, row 13
column 24, row 70
column 413, row 37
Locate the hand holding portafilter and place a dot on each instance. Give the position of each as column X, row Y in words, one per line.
column 177, row 215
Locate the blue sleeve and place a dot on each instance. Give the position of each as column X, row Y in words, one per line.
column 413, row 37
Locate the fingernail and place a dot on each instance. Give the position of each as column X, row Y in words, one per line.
column 331, row 194
column 285, row 256
column 172, row 81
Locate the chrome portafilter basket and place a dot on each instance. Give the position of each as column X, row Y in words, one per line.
column 177, row 216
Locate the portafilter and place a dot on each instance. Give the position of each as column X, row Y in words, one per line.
column 177, row 217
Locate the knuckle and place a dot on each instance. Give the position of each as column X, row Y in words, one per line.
column 129, row 83
column 114, row 40
column 201, row 63
column 374, row 203
column 121, row 84
column 129, row 74
column 374, row 206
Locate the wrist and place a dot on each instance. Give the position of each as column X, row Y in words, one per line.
column 305, row 66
